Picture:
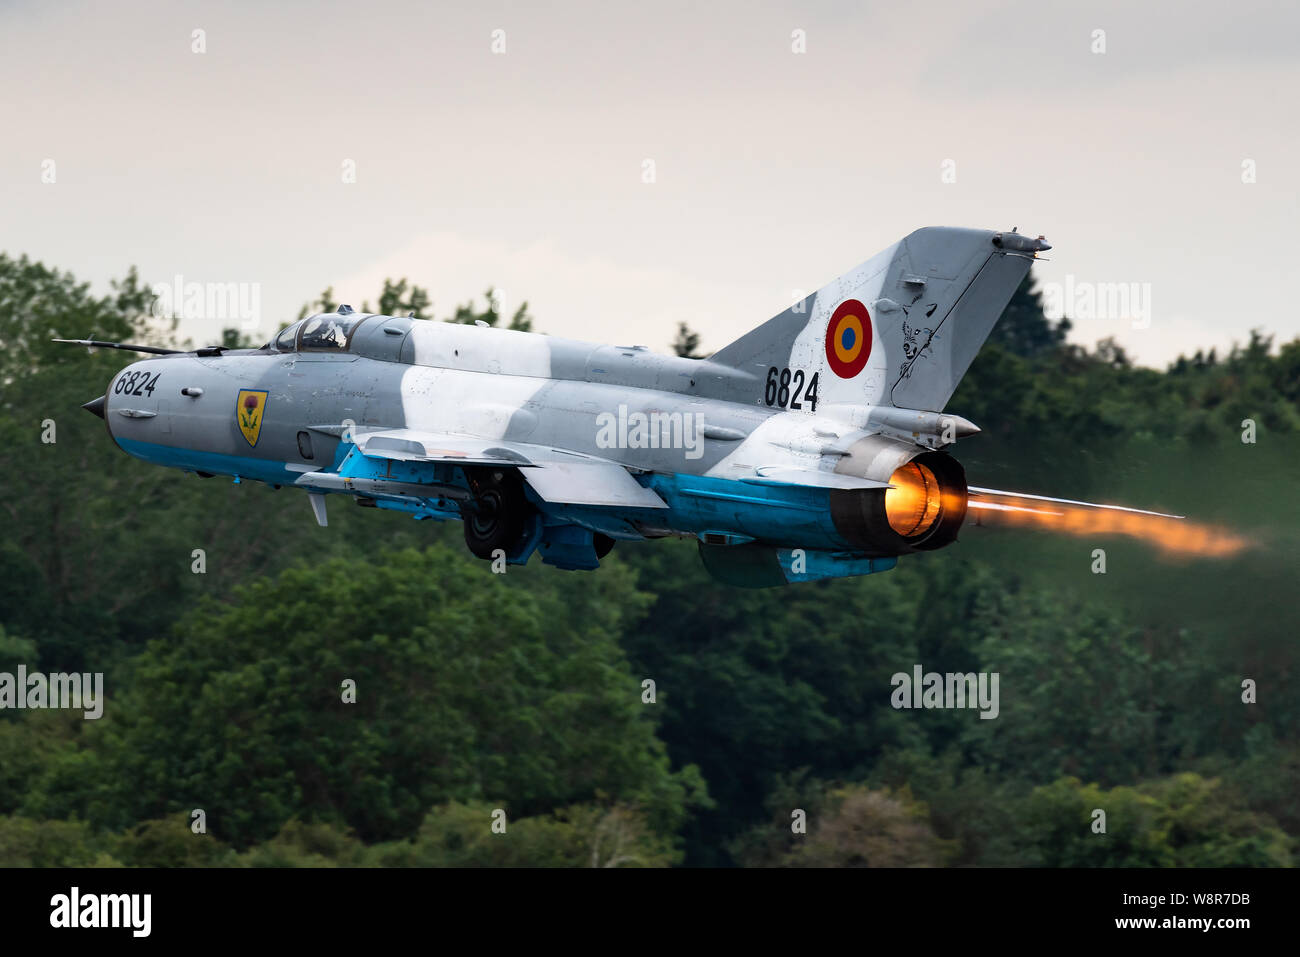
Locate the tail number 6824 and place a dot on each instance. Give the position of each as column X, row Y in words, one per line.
column 791, row 389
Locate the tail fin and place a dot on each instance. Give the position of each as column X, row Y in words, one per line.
column 902, row 328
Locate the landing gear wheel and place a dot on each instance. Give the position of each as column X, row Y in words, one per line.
column 602, row 543
column 495, row 518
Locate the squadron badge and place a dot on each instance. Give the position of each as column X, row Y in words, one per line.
column 248, row 413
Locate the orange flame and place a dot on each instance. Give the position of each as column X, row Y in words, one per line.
column 1172, row 536
column 912, row 503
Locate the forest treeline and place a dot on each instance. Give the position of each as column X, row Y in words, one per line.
column 368, row 694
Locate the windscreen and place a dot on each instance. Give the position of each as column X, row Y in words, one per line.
column 327, row 332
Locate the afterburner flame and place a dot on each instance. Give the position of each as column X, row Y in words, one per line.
column 912, row 504
column 1171, row 535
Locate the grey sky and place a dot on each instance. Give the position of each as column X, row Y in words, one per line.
column 774, row 171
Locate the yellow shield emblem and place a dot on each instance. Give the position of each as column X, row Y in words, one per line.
column 248, row 413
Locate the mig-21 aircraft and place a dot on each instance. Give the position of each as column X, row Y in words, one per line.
column 812, row 447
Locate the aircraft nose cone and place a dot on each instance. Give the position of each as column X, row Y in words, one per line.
column 96, row 406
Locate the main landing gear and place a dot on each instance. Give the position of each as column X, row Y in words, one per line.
column 495, row 517
column 500, row 519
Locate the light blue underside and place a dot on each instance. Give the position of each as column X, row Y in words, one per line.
column 697, row 503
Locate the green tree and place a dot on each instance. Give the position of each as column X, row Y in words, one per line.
column 687, row 342
column 846, row 826
column 395, row 300
column 402, row 298
column 38, row 304
column 299, row 844
column 468, row 685
column 29, row 843
column 1183, row 821
column 325, row 302
column 585, row 835
column 169, row 842
column 467, row 314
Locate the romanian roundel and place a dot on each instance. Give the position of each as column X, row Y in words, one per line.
column 848, row 339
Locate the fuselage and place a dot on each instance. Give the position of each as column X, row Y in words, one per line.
column 819, row 435
column 699, row 434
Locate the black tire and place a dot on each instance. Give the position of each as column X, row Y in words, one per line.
column 602, row 543
column 497, row 515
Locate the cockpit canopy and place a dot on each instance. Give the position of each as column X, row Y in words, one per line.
column 326, row 332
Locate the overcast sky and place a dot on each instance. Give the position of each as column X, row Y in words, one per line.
column 773, row 170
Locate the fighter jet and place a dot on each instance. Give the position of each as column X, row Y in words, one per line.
column 812, row 447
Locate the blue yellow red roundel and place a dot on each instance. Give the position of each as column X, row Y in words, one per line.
column 848, row 339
